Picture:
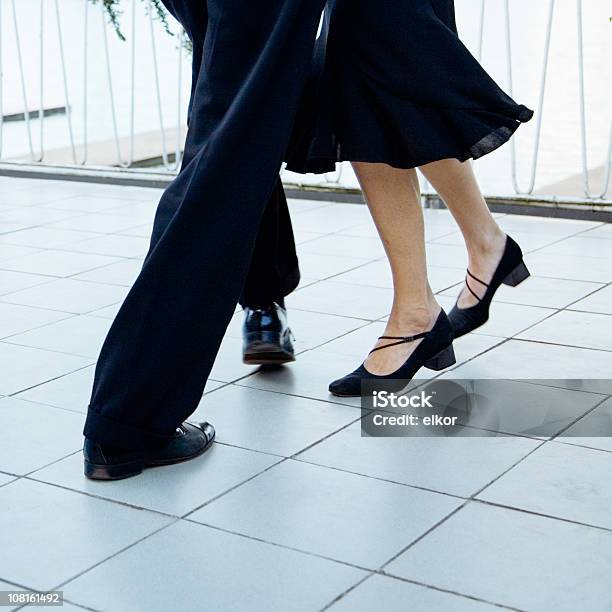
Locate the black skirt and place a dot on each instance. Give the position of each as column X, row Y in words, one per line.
column 392, row 83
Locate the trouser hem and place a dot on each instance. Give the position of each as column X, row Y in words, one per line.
column 111, row 432
column 287, row 285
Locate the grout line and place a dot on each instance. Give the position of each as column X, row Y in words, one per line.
column 450, row 592
column 65, row 582
column 541, row 514
column 40, row 384
column 560, row 433
column 28, row 475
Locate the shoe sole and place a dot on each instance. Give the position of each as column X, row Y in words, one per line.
column 267, row 354
column 121, row 471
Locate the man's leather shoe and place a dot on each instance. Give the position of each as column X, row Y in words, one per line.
column 267, row 337
column 104, row 463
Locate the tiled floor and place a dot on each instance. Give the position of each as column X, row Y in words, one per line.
column 292, row 509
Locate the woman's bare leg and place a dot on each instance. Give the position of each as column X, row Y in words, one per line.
column 394, row 200
column 485, row 241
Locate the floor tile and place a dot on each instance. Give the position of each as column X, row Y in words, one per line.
column 318, row 266
column 23, row 367
column 528, row 241
column 218, row 571
column 601, row 231
column 302, row 236
column 143, row 230
column 297, row 205
column 486, row 552
column 125, row 192
column 70, row 392
column 393, row 595
column 28, row 197
column 357, row 342
column 15, row 318
column 308, row 377
column 599, row 421
column 581, row 246
column 86, row 203
column 38, row 435
column 513, row 406
column 6, row 227
column 138, row 211
column 68, row 295
column 271, row 422
column 97, row 222
column 5, row 479
column 578, row 368
column 176, row 489
column 600, row 301
column 471, row 345
column 79, row 335
column 57, row 263
column 36, row 513
column 34, row 215
column 363, row 230
column 331, row 219
column 108, row 312
column 341, row 245
column 569, row 266
column 113, row 244
column 546, row 292
column 323, row 511
column 378, row 274
column 559, row 480
column 571, row 328
column 457, row 466
column 446, row 255
column 9, row 252
column 545, row 225
column 228, row 365
column 45, row 237
column 343, row 299
column 56, row 188
column 121, row 273
column 15, row 281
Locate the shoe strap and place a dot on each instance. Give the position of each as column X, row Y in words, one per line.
column 476, row 278
column 401, row 339
column 467, row 284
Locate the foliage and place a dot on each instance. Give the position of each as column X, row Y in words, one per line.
column 114, row 13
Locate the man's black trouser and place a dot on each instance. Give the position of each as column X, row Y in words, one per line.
column 274, row 271
column 161, row 347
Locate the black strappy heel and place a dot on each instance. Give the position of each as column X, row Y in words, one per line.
column 434, row 352
column 510, row 271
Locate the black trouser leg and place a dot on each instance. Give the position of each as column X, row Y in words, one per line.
column 159, row 351
column 274, row 271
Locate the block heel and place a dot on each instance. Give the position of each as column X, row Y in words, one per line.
column 517, row 276
column 119, row 471
column 444, row 359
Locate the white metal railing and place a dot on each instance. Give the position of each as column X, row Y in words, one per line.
column 36, row 147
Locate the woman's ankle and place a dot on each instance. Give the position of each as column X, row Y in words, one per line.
column 413, row 318
column 487, row 245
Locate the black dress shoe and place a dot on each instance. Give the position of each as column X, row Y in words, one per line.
column 105, row 463
column 435, row 352
column 510, row 271
column 267, row 337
